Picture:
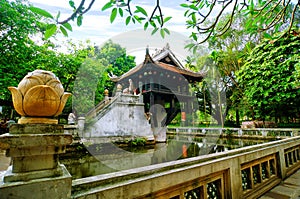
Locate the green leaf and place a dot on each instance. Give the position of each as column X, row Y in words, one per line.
column 58, row 15
column 201, row 5
column 167, row 19
column 251, row 6
column 152, row 23
column 186, row 13
column 63, row 30
column 194, row 18
column 121, row 12
column 40, row 11
column 133, row 19
column 194, row 36
column 162, row 33
column 195, row 49
column 68, row 26
column 127, row 20
column 167, row 31
column 141, row 10
column 146, row 25
column 139, row 19
column 189, row 46
column 72, row 4
column 79, row 20
column 193, row 7
column 267, row 36
column 107, row 6
column 154, row 31
column 184, row 5
column 50, row 30
column 113, row 15
column 248, row 24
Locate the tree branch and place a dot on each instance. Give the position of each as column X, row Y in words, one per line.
column 226, row 26
column 213, row 25
column 293, row 16
column 206, row 16
column 129, row 8
column 276, row 18
column 89, row 7
column 78, row 11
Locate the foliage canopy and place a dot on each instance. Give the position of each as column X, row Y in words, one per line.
column 269, row 78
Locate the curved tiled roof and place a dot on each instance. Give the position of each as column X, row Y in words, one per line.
column 158, row 62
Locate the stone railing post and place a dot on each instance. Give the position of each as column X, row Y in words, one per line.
column 81, row 123
column 36, row 141
column 106, row 97
column 119, row 90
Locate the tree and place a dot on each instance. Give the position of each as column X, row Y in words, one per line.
column 116, row 61
column 85, row 86
column 226, row 54
column 269, row 78
column 20, row 54
column 267, row 14
column 17, row 24
column 93, row 76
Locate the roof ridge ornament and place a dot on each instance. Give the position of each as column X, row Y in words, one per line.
column 167, row 46
column 158, row 51
column 147, row 56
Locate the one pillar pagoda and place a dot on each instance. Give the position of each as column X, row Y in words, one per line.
column 164, row 83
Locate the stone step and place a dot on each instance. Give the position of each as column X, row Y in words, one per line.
column 288, row 189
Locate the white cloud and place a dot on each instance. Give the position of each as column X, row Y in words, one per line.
column 97, row 28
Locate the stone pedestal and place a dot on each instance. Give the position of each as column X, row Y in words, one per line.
column 158, row 125
column 160, row 133
column 35, row 171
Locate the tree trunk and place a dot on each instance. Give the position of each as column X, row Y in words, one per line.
column 220, row 107
column 237, row 117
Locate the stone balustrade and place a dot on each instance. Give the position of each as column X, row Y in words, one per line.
column 240, row 173
column 274, row 132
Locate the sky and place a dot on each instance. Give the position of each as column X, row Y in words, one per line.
column 97, row 28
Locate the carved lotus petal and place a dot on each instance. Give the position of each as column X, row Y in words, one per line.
column 29, row 82
column 63, row 101
column 17, row 99
column 45, row 76
column 57, row 86
column 41, row 100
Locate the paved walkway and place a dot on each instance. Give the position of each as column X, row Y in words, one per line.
column 288, row 189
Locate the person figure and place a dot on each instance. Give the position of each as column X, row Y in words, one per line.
column 71, row 118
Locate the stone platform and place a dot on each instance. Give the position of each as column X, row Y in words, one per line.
column 122, row 117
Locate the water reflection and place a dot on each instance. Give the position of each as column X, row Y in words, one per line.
column 108, row 157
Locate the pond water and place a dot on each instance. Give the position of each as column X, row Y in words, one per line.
column 96, row 159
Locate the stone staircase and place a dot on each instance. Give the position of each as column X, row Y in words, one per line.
column 99, row 110
column 121, row 117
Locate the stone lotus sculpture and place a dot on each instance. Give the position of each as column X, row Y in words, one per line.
column 39, row 95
